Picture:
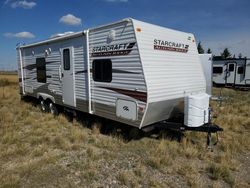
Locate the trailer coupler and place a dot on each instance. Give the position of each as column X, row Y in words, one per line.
column 209, row 128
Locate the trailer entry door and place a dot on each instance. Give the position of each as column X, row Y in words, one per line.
column 68, row 76
column 230, row 74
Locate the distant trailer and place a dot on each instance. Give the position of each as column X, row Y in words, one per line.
column 128, row 71
column 207, row 65
column 233, row 72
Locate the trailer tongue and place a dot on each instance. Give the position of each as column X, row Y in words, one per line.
column 209, row 128
column 197, row 117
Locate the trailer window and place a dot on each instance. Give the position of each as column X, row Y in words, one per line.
column 66, row 59
column 41, row 70
column 217, row 70
column 102, row 70
column 231, row 67
column 240, row 70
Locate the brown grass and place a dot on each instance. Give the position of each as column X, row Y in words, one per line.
column 10, row 77
column 39, row 150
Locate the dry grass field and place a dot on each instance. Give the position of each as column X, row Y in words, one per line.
column 39, row 150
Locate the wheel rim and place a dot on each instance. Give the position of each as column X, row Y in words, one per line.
column 43, row 106
column 53, row 109
column 51, row 106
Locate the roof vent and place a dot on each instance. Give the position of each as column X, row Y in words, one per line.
column 61, row 34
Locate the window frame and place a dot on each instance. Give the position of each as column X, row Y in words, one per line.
column 241, row 71
column 101, row 77
column 217, row 72
column 68, row 60
column 229, row 67
column 41, row 73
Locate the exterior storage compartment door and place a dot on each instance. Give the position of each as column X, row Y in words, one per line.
column 126, row 109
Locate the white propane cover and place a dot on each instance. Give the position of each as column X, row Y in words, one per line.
column 196, row 112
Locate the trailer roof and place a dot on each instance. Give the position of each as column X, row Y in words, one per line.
column 219, row 58
column 83, row 32
column 68, row 36
column 230, row 60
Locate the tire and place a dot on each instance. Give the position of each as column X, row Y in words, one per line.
column 44, row 106
column 53, row 109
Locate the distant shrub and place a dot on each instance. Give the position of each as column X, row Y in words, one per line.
column 4, row 82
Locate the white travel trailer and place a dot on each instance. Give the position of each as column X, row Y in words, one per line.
column 233, row 72
column 128, row 71
column 207, row 65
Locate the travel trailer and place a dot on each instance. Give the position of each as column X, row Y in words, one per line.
column 207, row 65
column 128, row 71
column 233, row 72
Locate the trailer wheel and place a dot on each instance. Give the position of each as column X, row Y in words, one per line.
column 44, row 106
column 53, row 109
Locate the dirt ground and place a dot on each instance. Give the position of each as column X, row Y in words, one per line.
column 40, row 150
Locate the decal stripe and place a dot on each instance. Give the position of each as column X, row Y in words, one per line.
column 82, row 71
column 33, row 66
column 113, row 71
column 30, row 67
column 20, row 79
column 113, row 50
column 138, row 95
column 111, row 53
column 123, row 71
column 166, row 48
column 131, row 45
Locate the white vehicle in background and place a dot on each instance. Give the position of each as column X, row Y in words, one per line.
column 233, row 72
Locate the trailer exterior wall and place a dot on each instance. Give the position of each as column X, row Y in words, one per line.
column 128, row 82
column 219, row 77
column 206, row 62
column 169, row 75
column 53, row 85
column 240, row 77
column 247, row 72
